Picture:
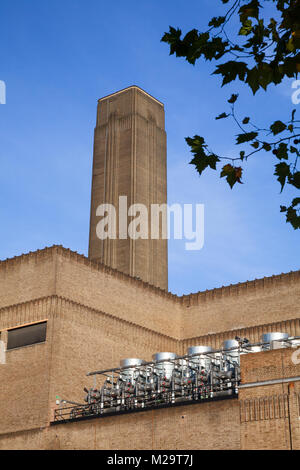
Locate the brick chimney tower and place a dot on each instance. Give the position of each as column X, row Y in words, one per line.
column 130, row 160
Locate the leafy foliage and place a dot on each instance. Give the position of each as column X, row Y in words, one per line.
column 246, row 137
column 263, row 52
column 202, row 157
column 277, row 127
column 233, row 174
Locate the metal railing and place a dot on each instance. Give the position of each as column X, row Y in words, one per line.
column 185, row 379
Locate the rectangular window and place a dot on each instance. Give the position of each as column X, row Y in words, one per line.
column 26, row 335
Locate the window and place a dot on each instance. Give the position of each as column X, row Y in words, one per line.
column 26, row 335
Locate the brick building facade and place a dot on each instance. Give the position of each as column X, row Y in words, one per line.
column 114, row 305
column 96, row 315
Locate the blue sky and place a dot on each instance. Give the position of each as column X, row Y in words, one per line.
column 57, row 59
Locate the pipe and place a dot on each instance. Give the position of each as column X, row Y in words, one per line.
column 269, row 382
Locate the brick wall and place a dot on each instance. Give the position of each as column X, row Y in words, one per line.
column 244, row 306
column 203, row 426
column 96, row 316
column 270, row 414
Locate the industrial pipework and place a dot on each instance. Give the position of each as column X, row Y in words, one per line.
column 203, row 374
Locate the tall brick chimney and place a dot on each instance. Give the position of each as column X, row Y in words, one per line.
column 130, row 160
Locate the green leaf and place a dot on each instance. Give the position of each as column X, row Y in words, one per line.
column 265, row 75
column 281, row 152
column 214, row 49
column 267, row 147
column 249, row 10
column 217, row 21
column 233, row 99
column 246, row 28
column 232, row 174
column 231, row 70
column 290, row 45
column 282, row 170
column 204, row 161
column 246, row 137
column 172, row 38
column 277, row 127
column 294, row 179
column 201, row 159
column 222, row 116
column 260, row 76
column 253, row 79
column 293, row 218
column 296, row 201
column 197, row 144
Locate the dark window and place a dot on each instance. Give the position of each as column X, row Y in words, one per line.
column 26, row 335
